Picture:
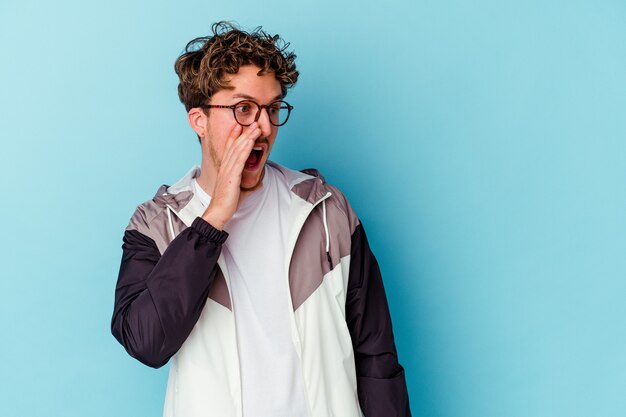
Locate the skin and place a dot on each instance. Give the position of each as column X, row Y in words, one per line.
column 226, row 145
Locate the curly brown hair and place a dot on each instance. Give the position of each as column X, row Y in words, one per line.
column 201, row 68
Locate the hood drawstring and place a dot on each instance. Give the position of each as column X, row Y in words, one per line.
column 171, row 225
column 330, row 261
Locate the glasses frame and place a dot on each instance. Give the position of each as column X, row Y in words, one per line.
column 260, row 107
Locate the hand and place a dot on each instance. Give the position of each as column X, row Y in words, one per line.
column 225, row 198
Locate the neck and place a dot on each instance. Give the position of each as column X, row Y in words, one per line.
column 208, row 173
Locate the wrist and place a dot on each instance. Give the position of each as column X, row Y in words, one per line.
column 214, row 218
column 207, row 230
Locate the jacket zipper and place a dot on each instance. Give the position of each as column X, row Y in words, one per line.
column 292, row 315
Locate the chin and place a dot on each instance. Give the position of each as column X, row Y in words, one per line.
column 249, row 188
column 251, row 183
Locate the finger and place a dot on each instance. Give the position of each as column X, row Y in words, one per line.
column 240, row 153
column 241, row 135
column 255, row 131
column 243, row 145
column 234, row 134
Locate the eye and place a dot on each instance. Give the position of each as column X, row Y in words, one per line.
column 274, row 108
column 244, row 107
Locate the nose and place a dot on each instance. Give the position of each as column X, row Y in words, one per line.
column 264, row 122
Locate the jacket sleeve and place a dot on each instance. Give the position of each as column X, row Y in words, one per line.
column 381, row 382
column 158, row 299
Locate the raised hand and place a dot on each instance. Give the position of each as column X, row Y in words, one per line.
column 226, row 194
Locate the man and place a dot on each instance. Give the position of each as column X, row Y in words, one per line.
column 256, row 281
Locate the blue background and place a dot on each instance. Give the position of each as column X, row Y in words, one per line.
column 482, row 144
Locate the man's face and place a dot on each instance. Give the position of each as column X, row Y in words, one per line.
column 247, row 85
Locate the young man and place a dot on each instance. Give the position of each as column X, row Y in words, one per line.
column 256, row 282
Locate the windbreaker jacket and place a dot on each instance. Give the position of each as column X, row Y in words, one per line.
column 173, row 303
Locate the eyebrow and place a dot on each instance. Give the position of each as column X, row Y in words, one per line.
column 247, row 97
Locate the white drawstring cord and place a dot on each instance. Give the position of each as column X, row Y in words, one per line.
column 169, row 217
column 326, row 228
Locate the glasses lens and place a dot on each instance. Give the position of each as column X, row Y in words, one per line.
column 245, row 112
column 278, row 112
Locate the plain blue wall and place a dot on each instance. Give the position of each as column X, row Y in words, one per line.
column 482, row 144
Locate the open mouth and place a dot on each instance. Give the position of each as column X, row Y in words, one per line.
column 254, row 159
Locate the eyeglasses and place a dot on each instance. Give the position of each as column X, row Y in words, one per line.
column 247, row 112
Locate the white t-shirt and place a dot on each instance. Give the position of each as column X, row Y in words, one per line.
column 255, row 255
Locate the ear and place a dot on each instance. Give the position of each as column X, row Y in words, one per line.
column 198, row 121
